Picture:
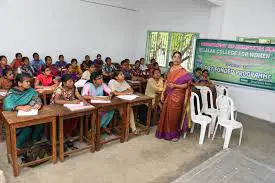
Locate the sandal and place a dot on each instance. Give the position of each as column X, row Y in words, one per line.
column 136, row 132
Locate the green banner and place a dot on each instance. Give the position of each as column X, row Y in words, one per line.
column 235, row 62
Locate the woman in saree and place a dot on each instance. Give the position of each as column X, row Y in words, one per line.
column 23, row 97
column 94, row 90
column 174, row 118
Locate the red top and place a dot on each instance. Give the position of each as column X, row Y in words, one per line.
column 16, row 63
column 44, row 80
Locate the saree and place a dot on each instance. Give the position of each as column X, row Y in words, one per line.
column 175, row 114
column 16, row 98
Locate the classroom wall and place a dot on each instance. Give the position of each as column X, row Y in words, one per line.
column 172, row 15
column 248, row 18
column 68, row 27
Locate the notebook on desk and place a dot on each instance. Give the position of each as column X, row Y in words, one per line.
column 75, row 107
column 127, row 97
column 101, row 101
column 32, row 112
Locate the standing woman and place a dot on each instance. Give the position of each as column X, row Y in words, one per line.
column 175, row 97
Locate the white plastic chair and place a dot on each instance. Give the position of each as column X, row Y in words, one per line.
column 199, row 118
column 223, row 119
column 205, row 109
column 222, row 90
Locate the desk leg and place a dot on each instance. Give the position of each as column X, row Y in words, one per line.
column 14, row 152
column 92, row 140
column 148, row 118
column 127, row 124
column 8, row 141
column 61, row 139
column 86, row 128
column 124, row 123
column 81, row 129
column 97, row 140
column 53, row 136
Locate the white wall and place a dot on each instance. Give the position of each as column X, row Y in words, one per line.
column 248, row 18
column 172, row 15
column 69, row 27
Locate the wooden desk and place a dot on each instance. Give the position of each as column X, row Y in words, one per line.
column 136, row 85
column 116, row 103
column 142, row 99
column 12, row 122
column 44, row 94
column 63, row 114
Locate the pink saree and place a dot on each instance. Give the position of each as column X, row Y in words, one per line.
column 174, row 116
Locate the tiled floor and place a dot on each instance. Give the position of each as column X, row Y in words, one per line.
column 230, row 166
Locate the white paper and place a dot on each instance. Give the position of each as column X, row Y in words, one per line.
column 134, row 82
column 80, row 83
column 128, row 97
column 80, row 106
column 101, row 101
column 32, row 112
column 3, row 93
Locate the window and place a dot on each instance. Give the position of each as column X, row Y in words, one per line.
column 161, row 45
column 261, row 40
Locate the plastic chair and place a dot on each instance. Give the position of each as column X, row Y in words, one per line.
column 199, row 118
column 222, row 90
column 223, row 119
column 205, row 109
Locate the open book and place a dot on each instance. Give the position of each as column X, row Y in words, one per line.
column 128, row 97
column 100, row 101
column 32, row 112
column 80, row 106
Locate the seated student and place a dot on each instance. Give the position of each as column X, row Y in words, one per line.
column 119, row 86
column 196, row 77
column 125, row 70
column 76, row 68
column 137, row 71
column 152, row 61
column 108, row 70
column 85, row 62
column 23, row 97
column 67, row 94
column 171, row 64
column 61, row 63
column 7, row 80
column 69, row 70
column 26, row 68
column 87, row 74
column 155, row 66
column 45, row 79
column 205, row 78
column 3, row 64
column 98, row 62
column 129, row 67
column 154, row 85
column 49, row 64
column 95, row 88
column 36, row 63
column 143, row 66
column 17, row 62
